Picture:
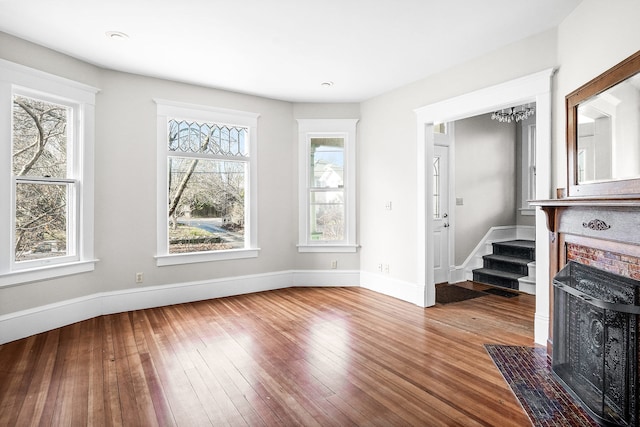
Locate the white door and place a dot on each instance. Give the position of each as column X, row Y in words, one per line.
column 440, row 212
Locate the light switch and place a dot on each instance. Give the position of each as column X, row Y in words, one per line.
column 459, row 201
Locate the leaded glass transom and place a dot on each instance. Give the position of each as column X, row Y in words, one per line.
column 208, row 138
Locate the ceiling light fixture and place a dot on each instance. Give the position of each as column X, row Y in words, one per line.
column 116, row 35
column 516, row 114
column 328, row 83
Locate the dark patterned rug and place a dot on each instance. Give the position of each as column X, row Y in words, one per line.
column 528, row 373
column 447, row 294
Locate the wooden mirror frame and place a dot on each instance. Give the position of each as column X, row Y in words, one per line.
column 627, row 188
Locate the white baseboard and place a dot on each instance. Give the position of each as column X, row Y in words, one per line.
column 457, row 274
column 25, row 323
column 326, row 278
column 396, row 288
column 541, row 328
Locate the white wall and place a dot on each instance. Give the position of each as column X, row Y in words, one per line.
column 125, row 182
column 594, row 37
column 388, row 168
column 485, row 178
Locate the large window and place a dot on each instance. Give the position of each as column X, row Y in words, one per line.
column 47, row 153
column 327, row 185
column 206, row 163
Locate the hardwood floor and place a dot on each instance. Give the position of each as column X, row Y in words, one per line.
column 300, row 356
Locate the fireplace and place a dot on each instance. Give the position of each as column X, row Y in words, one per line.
column 595, row 345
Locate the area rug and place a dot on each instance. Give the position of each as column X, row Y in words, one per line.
column 448, row 294
column 528, row 373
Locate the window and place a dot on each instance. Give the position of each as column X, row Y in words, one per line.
column 206, row 184
column 327, row 185
column 48, row 158
column 528, row 166
column 436, row 187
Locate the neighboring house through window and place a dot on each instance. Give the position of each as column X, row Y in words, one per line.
column 206, row 184
column 327, row 194
column 47, row 182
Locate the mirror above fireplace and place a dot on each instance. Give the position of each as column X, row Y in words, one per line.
column 603, row 134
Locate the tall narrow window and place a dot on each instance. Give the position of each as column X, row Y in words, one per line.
column 45, row 186
column 205, row 183
column 532, row 163
column 527, row 132
column 327, row 185
column 436, row 187
column 326, row 189
column 49, row 147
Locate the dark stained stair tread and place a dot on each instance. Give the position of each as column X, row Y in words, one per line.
column 509, row 262
column 506, row 258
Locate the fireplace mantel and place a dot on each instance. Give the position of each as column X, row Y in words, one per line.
column 551, row 206
column 608, row 227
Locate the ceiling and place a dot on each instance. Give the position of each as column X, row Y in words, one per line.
column 282, row 49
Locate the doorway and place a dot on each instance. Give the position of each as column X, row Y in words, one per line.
column 533, row 88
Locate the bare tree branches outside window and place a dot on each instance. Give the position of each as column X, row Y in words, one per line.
column 207, row 171
column 40, row 160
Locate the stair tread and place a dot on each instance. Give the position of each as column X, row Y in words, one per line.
column 529, row 244
column 499, row 273
column 507, row 258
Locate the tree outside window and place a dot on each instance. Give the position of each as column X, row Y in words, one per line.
column 206, row 186
column 43, row 186
column 207, row 183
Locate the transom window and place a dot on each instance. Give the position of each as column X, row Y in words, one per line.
column 205, row 176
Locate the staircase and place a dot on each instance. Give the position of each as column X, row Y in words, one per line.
column 508, row 265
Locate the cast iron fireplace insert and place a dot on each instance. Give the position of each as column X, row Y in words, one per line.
column 595, row 342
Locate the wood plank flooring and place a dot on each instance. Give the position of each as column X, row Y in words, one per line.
column 300, row 356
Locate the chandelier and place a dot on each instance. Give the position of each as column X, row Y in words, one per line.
column 508, row 115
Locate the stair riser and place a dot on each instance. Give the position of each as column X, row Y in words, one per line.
column 494, row 280
column 506, row 266
column 518, row 252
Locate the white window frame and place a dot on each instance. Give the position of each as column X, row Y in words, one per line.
column 315, row 128
column 21, row 80
column 528, row 168
column 167, row 110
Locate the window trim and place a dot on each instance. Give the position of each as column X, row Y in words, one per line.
column 528, row 167
column 180, row 110
column 314, row 128
column 15, row 78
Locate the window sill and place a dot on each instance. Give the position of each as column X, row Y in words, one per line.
column 192, row 258
column 48, row 272
column 328, row 248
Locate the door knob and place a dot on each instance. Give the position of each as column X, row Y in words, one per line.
column 445, row 215
column 446, row 224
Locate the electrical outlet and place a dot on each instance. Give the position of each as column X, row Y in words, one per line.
column 139, row 277
column 380, row 267
column 334, row 264
column 388, row 206
column 386, row 268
